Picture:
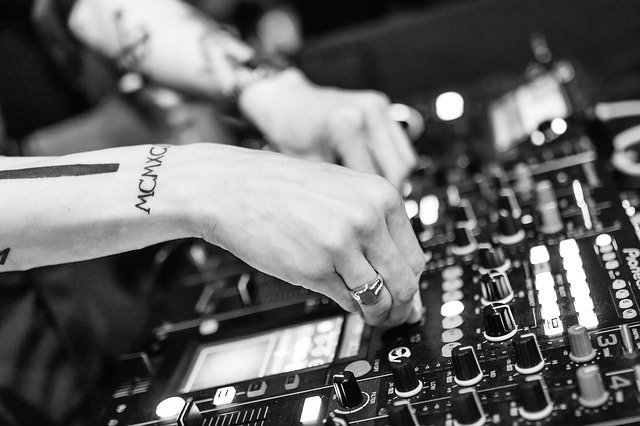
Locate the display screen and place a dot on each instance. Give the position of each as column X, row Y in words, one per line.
column 520, row 112
column 278, row 351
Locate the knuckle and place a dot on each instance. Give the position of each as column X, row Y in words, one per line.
column 379, row 313
column 364, row 222
column 336, row 241
column 388, row 197
column 346, row 117
column 407, row 291
column 375, row 98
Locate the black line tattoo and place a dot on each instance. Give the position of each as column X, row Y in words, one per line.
column 59, row 171
column 148, row 179
column 3, row 255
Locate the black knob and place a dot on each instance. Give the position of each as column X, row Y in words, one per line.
column 463, row 214
column 464, row 242
column 347, row 390
column 193, row 417
column 466, row 366
column 499, row 323
column 492, row 257
column 335, row 419
column 404, row 375
column 510, row 229
column 495, row 287
column 401, row 414
column 528, row 356
column 416, row 224
column 467, row 409
column 535, row 400
column 508, row 204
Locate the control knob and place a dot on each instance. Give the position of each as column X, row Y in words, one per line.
column 464, row 242
column 335, row 419
column 347, row 390
column 467, row 409
column 492, row 257
column 592, row 390
column 495, row 287
column 508, row 204
column 581, row 347
column 510, row 229
column 404, row 375
column 547, row 206
column 401, row 414
column 529, row 359
column 464, row 215
column 499, row 323
column 536, row 402
column 465, row 366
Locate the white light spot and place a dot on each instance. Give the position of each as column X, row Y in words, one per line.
column 449, row 106
column 170, row 407
column 411, row 207
column 569, row 248
column 451, row 308
column 537, row 137
column 429, row 206
column 527, row 219
column 558, row 126
column 588, row 319
column 603, row 240
column 311, row 409
column 538, row 255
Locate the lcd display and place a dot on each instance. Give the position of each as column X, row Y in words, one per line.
column 278, row 351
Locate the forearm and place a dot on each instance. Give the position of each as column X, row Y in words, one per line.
column 87, row 205
column 165, row 39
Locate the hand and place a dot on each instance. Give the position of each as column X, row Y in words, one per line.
column 326, row 124
column 321, row 226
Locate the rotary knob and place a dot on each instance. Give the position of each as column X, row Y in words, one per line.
column 464, row 215
column 508, row 204
column 528, row 356
column 466, row 366
column 499, row 323
column 592, row 390
column 492, row 257
column 581, row 347
column 467, row 409
column 495, row 287
column 535, row 400
column 510, row 229
column 347, row 390
column 547, row 206
column 335, row 419
column 404, row 375
column 464, row 242
column 401, row 414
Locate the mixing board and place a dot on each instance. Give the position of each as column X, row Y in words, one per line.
column 531, row 315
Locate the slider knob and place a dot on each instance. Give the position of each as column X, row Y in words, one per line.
column 467, row 409
column 492, row 257
column 581, row 347
column 510, row 230
column 466, row 366
column 536, row 402
column 464, row 242
column 592, row 390
column 551, row 221
column 347, row 390
column 404, row 375
column 528, row 356
column 495, row 287
column 499, row 323
column 401, row 414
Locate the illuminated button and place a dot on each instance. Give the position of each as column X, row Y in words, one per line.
column 569, row 248
column 292, row 381
column 629, row 313
column 448, row 296
column 607, row 257
column 606, row 249
column 574, row 275
column 224, row 395
column 621, row 294
column 603, row 240
column 311, row 410
column 455, row 307
column 170, row 407
column 452, row 285
column 612, row 264
column 452, row 335
column 618, row 284
column 547, row 297
column 257, row 389
column 446, row 349
column 583, row 304
column 538, row 255
column 411, row 207
column 452, row 272
column 429, row 208
column 452, row 322
column 625, row 303
column 545, row 281
column 588, row 319
column 550, row 310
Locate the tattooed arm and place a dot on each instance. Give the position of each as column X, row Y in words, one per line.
column 321, row 226
column 177, row 46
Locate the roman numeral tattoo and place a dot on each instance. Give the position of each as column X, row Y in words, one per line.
column 148, row 180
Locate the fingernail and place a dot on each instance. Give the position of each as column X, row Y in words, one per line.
column 416, row 310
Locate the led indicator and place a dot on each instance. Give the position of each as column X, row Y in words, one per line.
column 588, row 319
column 411, row 207
column 429, row 206
column 170, row 407
column 539, row 255
column 569, row 248
column 451, row 308
column 603, row 240
column 311, row 409
column 449, row 106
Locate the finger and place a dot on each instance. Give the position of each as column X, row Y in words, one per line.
column 348, row 138
column 356, row 271
column 399, row 279
column 404, row 237
column 335, row 288
column 402, row 142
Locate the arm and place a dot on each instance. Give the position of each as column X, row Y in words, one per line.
column 177, row 46
column 321, row 226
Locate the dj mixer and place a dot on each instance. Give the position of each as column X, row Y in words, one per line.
column 531, row 315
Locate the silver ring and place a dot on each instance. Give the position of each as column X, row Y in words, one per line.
column 368, row 293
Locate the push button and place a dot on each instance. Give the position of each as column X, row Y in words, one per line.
column 257, row 389
column 292, row 381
